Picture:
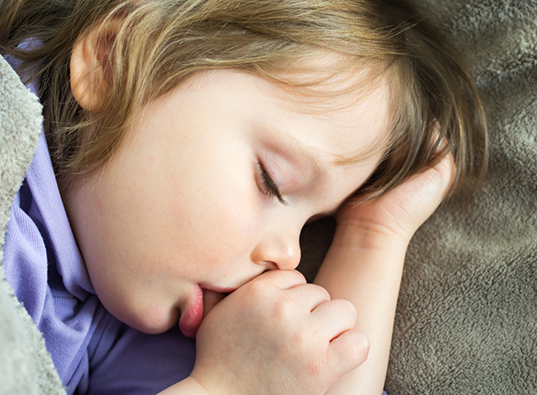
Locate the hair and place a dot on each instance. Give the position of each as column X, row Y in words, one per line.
column 160, row 43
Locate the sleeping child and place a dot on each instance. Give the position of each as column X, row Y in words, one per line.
column 185, row 145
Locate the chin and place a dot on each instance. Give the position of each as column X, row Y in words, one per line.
column 150, row 321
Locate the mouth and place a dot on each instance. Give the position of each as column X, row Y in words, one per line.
column 193, row 313
column 201, row 301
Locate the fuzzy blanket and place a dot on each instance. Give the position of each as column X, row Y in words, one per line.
column 25, row 365
column 467, row 314
column 466, row 318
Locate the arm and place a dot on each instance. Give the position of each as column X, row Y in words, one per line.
column 366, row 270
column 365, row 264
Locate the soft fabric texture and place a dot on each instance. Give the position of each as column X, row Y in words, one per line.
column 467, row 315
column 25, row 365
column 44, row 267
column 466, row 320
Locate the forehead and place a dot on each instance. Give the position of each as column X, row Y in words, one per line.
column 355, row 104
column 348, row 111
column 302, row 138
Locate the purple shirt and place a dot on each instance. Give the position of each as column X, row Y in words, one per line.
column 93, row 352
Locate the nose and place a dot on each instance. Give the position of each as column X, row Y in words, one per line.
column 278, row 252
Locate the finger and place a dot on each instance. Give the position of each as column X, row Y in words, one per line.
column 309, row 296
column 283, row 279
column 347, row 351
column 446, row 173
column 433, row 181
column 334, row 317
column 430, row 187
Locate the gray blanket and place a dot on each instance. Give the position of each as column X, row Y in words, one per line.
column 466, row 318
column 25, row 365
column 467, row 314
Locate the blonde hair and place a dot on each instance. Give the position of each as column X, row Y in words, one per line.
column 159, row 43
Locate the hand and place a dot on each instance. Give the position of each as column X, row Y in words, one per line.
column 404, row 209
column 277, row 335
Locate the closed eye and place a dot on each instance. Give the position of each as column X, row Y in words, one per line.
column 269, row 186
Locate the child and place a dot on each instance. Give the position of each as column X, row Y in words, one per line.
column 191, row 141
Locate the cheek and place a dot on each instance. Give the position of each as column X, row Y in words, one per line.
column 219, row 223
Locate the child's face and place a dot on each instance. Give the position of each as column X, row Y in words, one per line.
column 183, row 215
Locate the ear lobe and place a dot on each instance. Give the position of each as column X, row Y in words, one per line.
column 89, row 67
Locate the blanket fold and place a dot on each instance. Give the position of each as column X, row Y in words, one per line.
column 25, row 364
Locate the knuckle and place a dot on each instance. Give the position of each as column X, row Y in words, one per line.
column 345, row 306
column 284, row 276
column 257, row 290
column 342, row 311
column 299, row 276
column 314, row 288
column 357, row 348
column 284, row 310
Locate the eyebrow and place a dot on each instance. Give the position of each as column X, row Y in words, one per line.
column 297, row 153
column 305, row 158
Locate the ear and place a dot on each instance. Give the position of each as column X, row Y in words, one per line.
column 90, row 68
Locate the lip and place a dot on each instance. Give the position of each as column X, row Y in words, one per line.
column 194, row 311
column 193, row 314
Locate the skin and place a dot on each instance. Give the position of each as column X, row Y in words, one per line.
column 365, row 264
column 183, row 203
column 182, row 215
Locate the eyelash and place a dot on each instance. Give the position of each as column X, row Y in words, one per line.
column 269, row 186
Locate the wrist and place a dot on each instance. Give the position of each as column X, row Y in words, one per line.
column 370, row 236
